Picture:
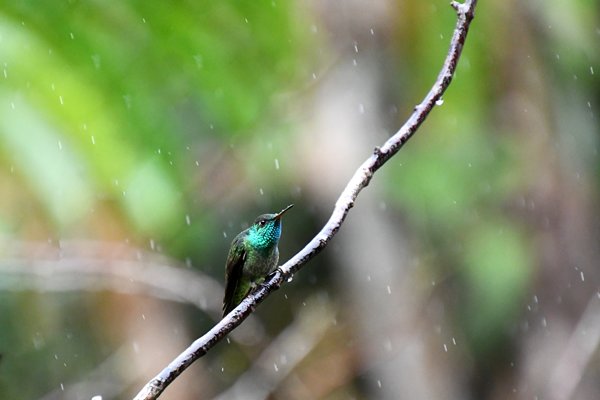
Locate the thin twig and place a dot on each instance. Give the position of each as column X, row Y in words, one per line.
column 345, row 202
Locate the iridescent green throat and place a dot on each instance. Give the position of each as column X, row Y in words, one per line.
column 266, row 235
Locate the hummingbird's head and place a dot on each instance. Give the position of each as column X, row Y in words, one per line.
column 266, row 229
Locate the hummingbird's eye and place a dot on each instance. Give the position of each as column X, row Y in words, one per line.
column 262, row 222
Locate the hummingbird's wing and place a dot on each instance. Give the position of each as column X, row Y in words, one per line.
column 233, row 273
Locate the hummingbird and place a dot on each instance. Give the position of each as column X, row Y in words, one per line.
column 252, row 256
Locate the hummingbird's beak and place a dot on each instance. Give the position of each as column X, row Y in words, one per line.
column 280, row 213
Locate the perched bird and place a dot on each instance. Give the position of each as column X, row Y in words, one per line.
column 252, row 256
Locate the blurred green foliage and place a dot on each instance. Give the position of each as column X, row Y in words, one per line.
column 109, row 92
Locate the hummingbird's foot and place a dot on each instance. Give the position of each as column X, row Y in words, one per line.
column 268, row 277
column 253, row 287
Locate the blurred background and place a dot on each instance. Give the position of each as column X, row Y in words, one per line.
column 138, row 138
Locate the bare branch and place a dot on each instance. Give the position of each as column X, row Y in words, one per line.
column 106, row 379
column 345, row 202
column 83, row 265
column 295, row 342
column 575, row 357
